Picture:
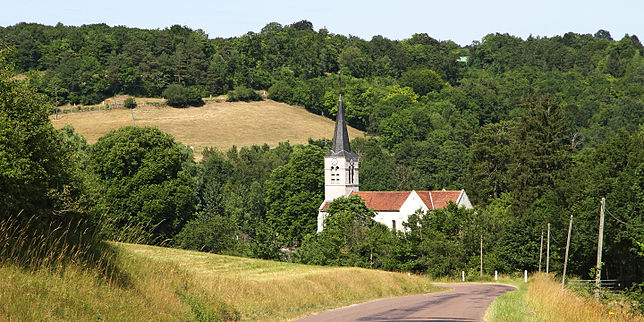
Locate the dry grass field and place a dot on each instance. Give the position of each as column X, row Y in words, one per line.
column 216, row 124
column 171, row 284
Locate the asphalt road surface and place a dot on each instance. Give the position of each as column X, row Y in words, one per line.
column 466, row 302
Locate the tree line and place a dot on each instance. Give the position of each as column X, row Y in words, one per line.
column 535, row 130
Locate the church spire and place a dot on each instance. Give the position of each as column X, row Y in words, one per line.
column 340, row 135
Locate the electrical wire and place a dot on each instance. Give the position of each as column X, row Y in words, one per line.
column 621, row 221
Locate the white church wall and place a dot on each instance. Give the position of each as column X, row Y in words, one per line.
column 463, row 200
column 408, row 208
column 321, row 217
column 388, row 217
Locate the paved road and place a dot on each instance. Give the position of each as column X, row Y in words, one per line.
column 466, row 302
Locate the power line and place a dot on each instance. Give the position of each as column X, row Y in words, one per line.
column 621, row 221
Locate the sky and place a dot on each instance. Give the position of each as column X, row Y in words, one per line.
column 461, row 21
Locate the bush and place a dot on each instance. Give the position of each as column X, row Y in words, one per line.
column 176, row 95
column 194, row 97
column 242, row 93
column 281, row 92
column 210, row 233
column 130, row 102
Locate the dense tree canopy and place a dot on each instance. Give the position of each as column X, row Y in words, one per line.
column 294, row 193
column 35, row 171
column 144, row 182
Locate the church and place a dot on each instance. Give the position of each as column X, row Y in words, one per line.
column 341, row 178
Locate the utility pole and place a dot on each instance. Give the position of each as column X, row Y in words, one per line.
column 132, row 110
column 563, row 277
column 540, row 251
column 600, row 241
column 481, row 256
column 548, row 253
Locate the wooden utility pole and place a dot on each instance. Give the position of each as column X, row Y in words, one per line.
column 481, row 256
column 548, row 253
column 600, row 241
column 540, row 251
column 563, row 277
column 132, row 110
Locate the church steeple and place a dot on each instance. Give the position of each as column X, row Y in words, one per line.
column 340, row 166
column 341, row 144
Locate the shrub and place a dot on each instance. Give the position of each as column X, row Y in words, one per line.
column 194, row 97
column 281, row 92
column 242, row 93
column 210, row 233
column 130, row 102
column 176, row 95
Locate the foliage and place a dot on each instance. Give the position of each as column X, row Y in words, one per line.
column 422, row 81
column 35, row 172
column 445, row 240
column 210, row 233
column 242, row 93
column 44, row 220
column 144, row 182
column 294, row 192
column 130, row 102
column 350, row 237
column 176, row 95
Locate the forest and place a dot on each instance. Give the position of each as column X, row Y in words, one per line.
column 535, row 130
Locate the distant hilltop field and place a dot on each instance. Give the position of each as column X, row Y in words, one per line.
column 216, row 124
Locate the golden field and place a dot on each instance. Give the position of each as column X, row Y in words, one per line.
column 217, row 124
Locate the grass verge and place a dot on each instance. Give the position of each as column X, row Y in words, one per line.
column 543, row 300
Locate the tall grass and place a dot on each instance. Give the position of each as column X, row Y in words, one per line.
column 543, row 300
column 511, row 306
column 551, row 303
column 53, row 243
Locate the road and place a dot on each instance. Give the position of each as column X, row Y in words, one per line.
column 466, row 302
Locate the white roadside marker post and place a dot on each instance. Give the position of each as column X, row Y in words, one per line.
column 496, row 275
column 525, row 276
column 463, row 275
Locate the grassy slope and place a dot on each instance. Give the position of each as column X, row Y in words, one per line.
column 216, row 124
column 543, row 300
column 177, row 284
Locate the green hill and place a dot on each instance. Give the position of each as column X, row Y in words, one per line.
column 172, row 284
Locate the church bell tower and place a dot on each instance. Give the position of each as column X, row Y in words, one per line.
column 340, row 164
column 340, row 167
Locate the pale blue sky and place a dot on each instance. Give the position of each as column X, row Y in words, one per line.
column 461, row 21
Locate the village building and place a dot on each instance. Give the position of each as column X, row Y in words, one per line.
column 393, row 208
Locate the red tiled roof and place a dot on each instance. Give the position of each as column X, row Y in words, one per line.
column 383, row 200
column 438, row 198
column 393, row 200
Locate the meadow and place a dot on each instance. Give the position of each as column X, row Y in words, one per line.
column 171, row 284
column 216, row 124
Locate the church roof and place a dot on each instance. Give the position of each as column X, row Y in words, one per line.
column 393, row 200
column 438, row 198
column 340, row 146
column 383, row 200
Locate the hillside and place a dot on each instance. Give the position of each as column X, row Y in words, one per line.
column 216, row 124
column 171, row 284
